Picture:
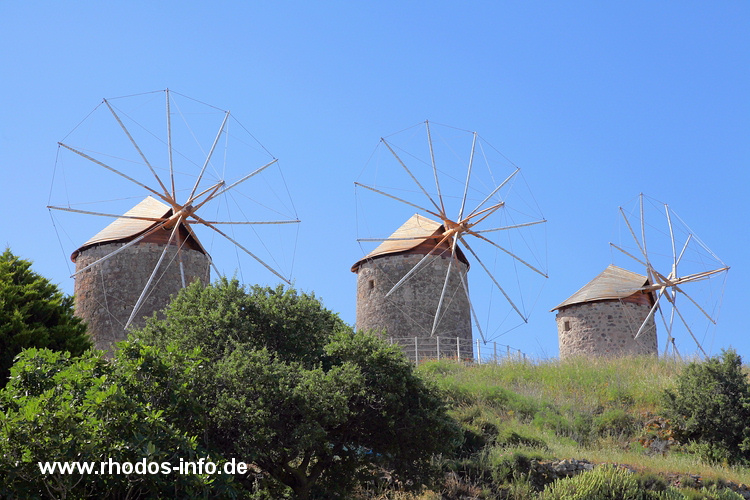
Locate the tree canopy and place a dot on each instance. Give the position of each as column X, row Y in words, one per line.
column 291, row 388
column 265, row 377
column 34, row 313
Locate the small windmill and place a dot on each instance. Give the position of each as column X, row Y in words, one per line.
column 681, row 269
column 128, row 149
column 463, row 190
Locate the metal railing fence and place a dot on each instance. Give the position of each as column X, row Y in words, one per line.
column 420, row 349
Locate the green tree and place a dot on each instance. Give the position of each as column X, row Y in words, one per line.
column 291, row 388
column 711, row 408
column 86, row 409
column 34, row 313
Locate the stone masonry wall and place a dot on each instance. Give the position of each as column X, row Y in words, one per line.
column 106, row 293
column 410, row 311
column 605, row 328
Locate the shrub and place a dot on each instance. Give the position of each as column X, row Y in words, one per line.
column 711, row 407
column 603, row 483
column 616, row 422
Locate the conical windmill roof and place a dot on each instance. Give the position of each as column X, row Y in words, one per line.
column 416, row 231
column 126, row 229
column 613, row 283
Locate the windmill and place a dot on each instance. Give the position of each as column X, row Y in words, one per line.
column 199, row 170
column 602, row 317
column 473, row 208
column 685, row 278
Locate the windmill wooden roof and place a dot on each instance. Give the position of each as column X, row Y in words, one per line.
column 612, row 284
column 418, row 234
column 126, row 229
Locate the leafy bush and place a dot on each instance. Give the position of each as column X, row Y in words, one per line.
column 58, row 408
column 711, row 407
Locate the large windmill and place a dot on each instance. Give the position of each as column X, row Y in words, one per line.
column 199, row 170
column 473, row 208
column 685, row 278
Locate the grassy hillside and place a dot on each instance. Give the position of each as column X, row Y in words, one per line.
column 603, row 411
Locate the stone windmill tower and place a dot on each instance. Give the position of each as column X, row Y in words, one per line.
column 604, row 317
column 473, row 205
column 108, row 295
column 194, row 173
column 407, row 315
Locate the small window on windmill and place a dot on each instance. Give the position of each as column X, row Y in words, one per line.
column 566, row 326
column 371, row 285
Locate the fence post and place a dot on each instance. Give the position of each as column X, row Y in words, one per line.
column 508, row 354
column 437, row 339
column 479, row 354
column 416, row 352
column 458, row 349
column 494, row 345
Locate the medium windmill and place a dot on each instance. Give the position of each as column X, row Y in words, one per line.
column 685, row 278
column 602, row 317
column 415, row 282
column 196, row 165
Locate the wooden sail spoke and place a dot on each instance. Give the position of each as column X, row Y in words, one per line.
column 137, row 148
column 434, row 167
column 169, row 145
column 462, row 275
column 120, row 249
column 438, row 215
column 485, row 213
column 416, row 266
column 650, row 315
column 209, row 155
column 213, row 190
column 635, row 238
column 146, row 288
column 437, row 207
column 498, row 188
column 164, row 197
column 679, row 289
column 629, row 254
column 468, row 176
column 690, row 331
column 514, row 226
column 101, row 214
column 243, row 179
column 492, row 277
column 442, row 294
column 519, row 259
column 251, row 254
column 246, row 222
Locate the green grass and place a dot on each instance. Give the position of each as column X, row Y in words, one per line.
column 592, row 409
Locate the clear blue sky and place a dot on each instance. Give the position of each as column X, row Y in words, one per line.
column 595, row 101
